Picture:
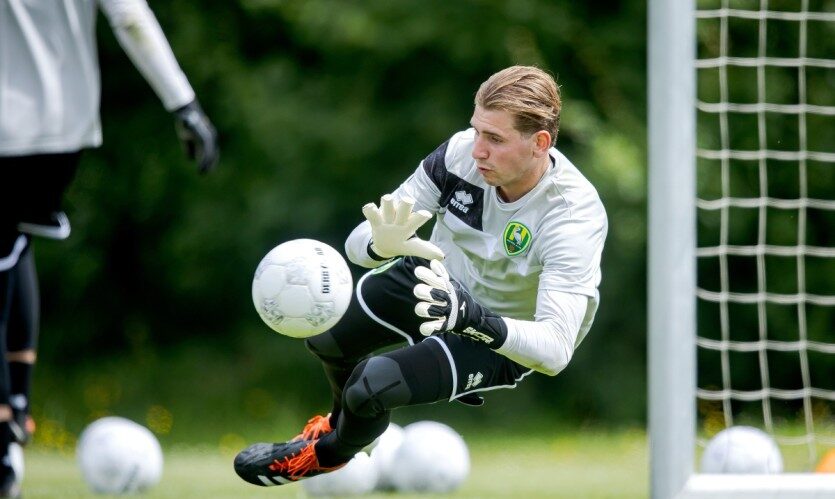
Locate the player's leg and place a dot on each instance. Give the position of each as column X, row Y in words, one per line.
column 381, row 314
column 31, row 191
column 339, row 350
column 412, row 375
column 21, row 341
column 39, row 183
column 443, row 367
column 12, row 244
column 8, row 482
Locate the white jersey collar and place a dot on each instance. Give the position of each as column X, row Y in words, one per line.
column 515, row 205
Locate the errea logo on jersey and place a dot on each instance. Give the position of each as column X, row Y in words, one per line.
column 517, row 237
column 461, row 200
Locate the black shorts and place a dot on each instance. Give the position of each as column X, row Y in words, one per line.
column 31, row 190
column 383, row 314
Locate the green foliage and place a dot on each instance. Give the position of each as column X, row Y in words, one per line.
column 322, row 106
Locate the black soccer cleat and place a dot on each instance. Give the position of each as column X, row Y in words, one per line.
column 278, row 464
column 9, row 482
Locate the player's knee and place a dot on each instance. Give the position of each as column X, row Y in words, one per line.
column 377, row 385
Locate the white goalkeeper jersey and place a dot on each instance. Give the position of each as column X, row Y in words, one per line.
column 532, row 259
column 49, row 72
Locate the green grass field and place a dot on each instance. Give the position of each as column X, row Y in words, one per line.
column 580, row 465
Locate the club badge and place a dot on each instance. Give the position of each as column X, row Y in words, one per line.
column 516, row 238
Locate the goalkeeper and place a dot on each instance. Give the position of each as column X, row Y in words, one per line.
column 507, row 284
column 49, row 113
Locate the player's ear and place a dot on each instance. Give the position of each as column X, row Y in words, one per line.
column 541, row 143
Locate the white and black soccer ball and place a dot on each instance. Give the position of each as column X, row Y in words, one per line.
column 118, row 456
column 431, row 458
column 356, row 478
column 302, row 288
column 382, row 456
column 742, row 450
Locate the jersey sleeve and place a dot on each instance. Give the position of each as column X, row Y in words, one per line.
column 547, row 344
column 572, row 252
column 357, row 247
column 141, row 37
column 429, row 180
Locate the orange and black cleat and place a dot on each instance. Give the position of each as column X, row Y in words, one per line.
column 316, row 427
column 278, row 464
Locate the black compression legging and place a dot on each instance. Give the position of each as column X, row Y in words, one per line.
column 25, row 304
column 416, row 374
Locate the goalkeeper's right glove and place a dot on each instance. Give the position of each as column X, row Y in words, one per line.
column 393, row 227
column 451, row 308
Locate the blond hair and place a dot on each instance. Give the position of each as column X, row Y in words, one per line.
column 529, row 94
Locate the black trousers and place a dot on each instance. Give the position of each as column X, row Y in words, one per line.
column 31, row 189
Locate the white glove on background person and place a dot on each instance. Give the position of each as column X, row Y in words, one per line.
column 393, row 227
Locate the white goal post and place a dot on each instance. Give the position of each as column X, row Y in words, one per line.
column 673, row 251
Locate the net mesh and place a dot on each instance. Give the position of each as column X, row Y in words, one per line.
column 766, row 221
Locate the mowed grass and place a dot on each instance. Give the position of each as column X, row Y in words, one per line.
column 580, row 465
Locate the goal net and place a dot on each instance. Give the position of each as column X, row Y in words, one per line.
column 742, row 248
column 765, row 180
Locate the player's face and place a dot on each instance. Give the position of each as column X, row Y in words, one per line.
column 506, row 158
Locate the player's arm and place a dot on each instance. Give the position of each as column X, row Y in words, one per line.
column 545, row 345
column 141, row 37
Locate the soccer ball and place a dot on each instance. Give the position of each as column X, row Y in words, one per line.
column 431, row 458
column 118, row 456
column 302, row 288
column 742, row 449
column 382, row 455
column 358, row 477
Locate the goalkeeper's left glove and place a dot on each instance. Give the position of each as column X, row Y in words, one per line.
column 451, row 308
column 198, row 135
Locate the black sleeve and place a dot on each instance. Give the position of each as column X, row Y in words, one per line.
column 435, row 166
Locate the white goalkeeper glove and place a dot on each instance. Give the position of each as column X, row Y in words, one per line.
column 451, row 308
column 393, row 227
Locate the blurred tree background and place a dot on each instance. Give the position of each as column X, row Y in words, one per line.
column 321, row 106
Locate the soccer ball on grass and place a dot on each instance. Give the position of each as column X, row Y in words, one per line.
column 302, row 288
column 357, row 477
column 382, row 456
column 118, row 456
column 431, row 458
column 742, row 450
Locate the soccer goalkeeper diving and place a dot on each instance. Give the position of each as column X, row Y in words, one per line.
column 506, row 285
